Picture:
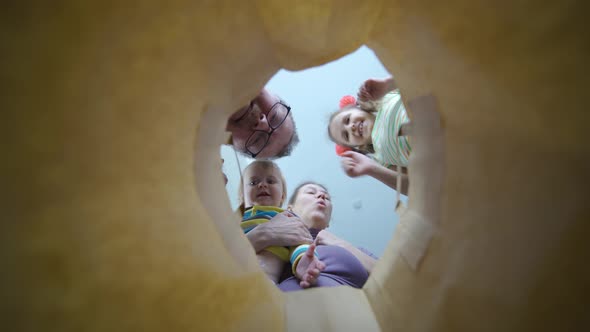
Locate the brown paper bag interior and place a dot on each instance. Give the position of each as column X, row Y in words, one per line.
column 115, row 216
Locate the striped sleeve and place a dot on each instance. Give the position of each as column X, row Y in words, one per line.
column 391, row 149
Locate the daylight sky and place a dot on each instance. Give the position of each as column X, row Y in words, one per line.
column 363, row 211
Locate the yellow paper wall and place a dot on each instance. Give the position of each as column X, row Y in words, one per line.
column 114, row 213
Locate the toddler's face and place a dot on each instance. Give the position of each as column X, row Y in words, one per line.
column 262, row 186
column 352, row 127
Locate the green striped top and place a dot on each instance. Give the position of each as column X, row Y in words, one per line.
column 391, row 149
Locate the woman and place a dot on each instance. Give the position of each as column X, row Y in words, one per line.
column 345, row 264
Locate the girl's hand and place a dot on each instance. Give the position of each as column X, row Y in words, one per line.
column 356, row 164
column 375, row 89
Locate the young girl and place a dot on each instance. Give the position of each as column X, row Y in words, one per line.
column 262, row 192
column 377, row 125
column 374, row 126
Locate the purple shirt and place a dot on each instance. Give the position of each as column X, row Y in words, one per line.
column 342, row 268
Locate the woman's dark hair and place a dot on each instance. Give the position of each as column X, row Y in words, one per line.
column 296, row 191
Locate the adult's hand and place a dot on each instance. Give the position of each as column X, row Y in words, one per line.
column 284, row 229
column 356, row 164
column 375, row 88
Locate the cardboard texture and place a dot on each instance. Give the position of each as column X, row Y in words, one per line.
column 114, row 212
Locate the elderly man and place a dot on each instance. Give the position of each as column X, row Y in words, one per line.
column 263, row 129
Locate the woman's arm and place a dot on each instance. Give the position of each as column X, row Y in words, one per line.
column 356, row 164
column 284, row 229
column 326, row 238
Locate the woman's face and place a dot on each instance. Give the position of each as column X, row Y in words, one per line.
column 263, row 186
column 313, row 205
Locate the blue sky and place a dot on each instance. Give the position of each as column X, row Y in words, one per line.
column 363, row 207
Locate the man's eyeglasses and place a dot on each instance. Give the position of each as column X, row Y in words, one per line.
column 259, row 139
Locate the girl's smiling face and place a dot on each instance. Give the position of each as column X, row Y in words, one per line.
column 352, row 127
column 263, row 185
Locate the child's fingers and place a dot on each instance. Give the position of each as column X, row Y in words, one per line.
column 314, row 273
column 363, row 93
column 347, row 166
column 347, row 161
column 310, row 250
column 349, row 154
column 310, row 279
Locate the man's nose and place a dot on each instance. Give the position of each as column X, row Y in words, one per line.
column 262, row 123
